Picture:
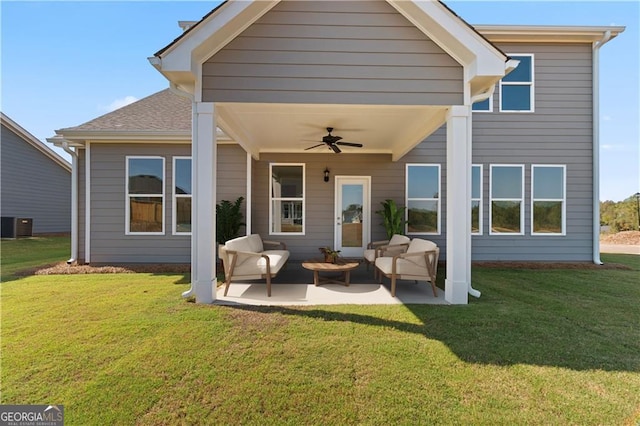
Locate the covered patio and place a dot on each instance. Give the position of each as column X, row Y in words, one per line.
column 250, row 72
column 294, row 287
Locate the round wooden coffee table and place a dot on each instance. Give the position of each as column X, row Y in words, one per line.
column 342, row 266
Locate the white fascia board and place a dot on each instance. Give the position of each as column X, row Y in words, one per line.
column 132, row 135
column 484, row 64
column 546, row 33
column 77, row 138
column 452, row 34
column 209, row 36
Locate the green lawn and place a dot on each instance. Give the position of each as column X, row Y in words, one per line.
column 539, row 347
column 26, row 253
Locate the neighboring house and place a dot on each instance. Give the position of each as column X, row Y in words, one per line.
column 35, row 183
column 517, row 179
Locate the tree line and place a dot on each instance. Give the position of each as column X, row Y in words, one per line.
column 621, row 215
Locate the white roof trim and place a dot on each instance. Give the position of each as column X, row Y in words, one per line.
column 180, row 61
column 35, row 142
column 78, row 137
column 546, row 33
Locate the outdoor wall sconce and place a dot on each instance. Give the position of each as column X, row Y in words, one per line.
column 326, row 174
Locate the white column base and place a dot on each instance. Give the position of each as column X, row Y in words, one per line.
column 455, row 292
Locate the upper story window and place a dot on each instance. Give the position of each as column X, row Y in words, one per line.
column 145, row 195
column 548, row 200
column 476, row 199
column 287, row 192
column 182, row 195
column 483, row 106
column 517, row 87
column 423, row 198
column 506, row 193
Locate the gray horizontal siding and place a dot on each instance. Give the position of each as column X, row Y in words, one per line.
column 353, row 52
column 558, row 132
column 109, row 243
column 387, row 181
column 34, row 186
column 232, row 175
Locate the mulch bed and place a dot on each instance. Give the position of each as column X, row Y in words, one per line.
column 63, row 269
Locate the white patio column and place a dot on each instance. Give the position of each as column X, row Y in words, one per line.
column 458, row 206
column 203, row 173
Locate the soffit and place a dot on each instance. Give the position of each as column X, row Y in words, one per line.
column 291, row 128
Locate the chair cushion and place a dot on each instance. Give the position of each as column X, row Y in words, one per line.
column 396, row 239
column 247, row 244
column 257, row 265
column 370, row 255
column 420, row 245
column 255, row 242
column 399, row 239
column 405, row 268
column 239, row 244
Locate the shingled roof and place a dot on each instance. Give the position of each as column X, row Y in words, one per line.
column 163, row 111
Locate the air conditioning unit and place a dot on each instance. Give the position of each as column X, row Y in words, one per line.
column 8, row 227
column 24, row 227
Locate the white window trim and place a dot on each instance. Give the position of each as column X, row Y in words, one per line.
column 174, row 201
column 271, row 198
column 480, row 212
column 521, row 83
column 128, row 196
column 439, row 199
column 563, row 199
column 484, row 110
column 491, row 200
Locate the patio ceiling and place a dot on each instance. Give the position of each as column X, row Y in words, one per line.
column 291, row 128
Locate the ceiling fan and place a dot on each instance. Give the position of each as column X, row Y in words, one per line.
column 333, row 141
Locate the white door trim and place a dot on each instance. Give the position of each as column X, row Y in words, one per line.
column 366, row 214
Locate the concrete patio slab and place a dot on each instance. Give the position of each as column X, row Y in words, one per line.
column 294, row 287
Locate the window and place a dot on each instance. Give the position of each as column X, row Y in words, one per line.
column 483, row 106
column 548, row 200
column 286, row 189
column 476, row 199
column 516, row 88
column 423, row 198
column 145, row 195
column 182, row 195
column 506, row 192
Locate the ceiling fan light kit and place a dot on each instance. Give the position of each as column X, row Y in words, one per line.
column 332, row 142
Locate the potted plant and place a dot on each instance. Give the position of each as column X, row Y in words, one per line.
column 330, row 255
column 228, row 223
column 228, row 220
column 392, row 218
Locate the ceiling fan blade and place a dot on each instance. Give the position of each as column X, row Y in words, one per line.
column 315, row 146
column 331, row 139
column 335, row 149
column 357, row 145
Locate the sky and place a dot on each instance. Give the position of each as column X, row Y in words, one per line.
column 65, row 63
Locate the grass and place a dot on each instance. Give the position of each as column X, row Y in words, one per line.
column 25, row 253
column 539, row 347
